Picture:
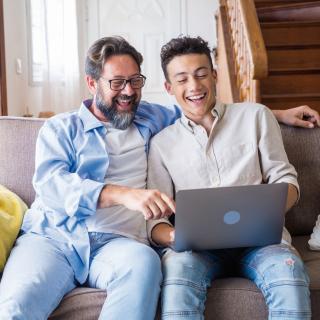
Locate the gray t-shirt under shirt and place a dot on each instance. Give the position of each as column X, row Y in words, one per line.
column 127, row 167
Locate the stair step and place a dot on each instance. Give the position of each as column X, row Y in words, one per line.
column 284, row 70
column 284, row 101
column 305, row 11
column 270, row 3
column 299, row 58
column 291, row 33
column 291, row 84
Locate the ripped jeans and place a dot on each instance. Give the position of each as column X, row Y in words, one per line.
column 276, row 270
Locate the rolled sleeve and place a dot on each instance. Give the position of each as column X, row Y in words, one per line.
column 158, row 178
column 59, row 188
column 275, row 165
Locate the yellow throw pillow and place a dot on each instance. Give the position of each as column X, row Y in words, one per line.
column 12, row 209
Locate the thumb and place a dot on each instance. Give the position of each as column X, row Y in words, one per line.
column 172, row 235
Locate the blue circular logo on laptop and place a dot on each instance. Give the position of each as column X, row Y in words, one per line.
column 231, row 217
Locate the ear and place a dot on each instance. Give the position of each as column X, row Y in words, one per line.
column 168, row 87
column 214, row 73
column 92, row 84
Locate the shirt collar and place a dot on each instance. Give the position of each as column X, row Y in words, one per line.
column 88, row 119
column 217, row 112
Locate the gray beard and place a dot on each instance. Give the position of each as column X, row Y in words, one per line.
column 120, row 120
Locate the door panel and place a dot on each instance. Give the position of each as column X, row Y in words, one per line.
column 147, row 25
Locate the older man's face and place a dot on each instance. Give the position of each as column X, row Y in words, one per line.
column 118, row 106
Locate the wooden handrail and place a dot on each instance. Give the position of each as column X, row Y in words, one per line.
column 256, row 48
column 249, row 52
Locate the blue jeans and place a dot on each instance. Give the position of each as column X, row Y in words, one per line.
column 38, row 275
column 276, row 270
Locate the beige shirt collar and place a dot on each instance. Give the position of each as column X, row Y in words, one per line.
column 217, row 112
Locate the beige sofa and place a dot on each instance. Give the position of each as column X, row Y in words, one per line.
column 229, row 298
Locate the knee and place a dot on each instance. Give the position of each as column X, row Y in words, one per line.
column 185, row 266
column 286, row 284
column 286, row 268
column 146, row 264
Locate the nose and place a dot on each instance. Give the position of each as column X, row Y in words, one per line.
column 128, row 89
column 194, row 83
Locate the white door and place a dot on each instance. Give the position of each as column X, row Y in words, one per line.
column 147, row 25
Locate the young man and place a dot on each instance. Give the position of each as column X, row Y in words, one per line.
column 213, row 145
column 87, row 223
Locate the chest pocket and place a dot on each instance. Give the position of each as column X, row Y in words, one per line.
column 188, row 167
column 239, row 162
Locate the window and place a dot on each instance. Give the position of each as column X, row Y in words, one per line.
column 52, row 27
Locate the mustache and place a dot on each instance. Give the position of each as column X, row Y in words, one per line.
column 133, row 97
column 120, row 120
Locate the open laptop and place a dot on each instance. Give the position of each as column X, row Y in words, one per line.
column 230, row 217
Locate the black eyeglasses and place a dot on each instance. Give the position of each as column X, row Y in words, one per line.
column 119, row 84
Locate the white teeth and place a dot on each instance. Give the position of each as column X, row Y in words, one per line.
column 196, row 97
column 124, row 100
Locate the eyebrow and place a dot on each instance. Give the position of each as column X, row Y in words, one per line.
column 122, row 77
column 184, row 73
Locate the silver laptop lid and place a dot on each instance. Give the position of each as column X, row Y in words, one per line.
column 230, row 217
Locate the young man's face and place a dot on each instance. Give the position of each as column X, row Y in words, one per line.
column 118, row 106
column 192, row 82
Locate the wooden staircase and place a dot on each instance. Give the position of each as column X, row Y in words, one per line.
column 290, row 32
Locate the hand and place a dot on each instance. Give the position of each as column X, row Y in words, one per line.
column 153, row 204
column 163, row 234
column 172, row 235
column 302, row 116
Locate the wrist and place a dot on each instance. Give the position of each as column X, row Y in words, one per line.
column 120, row 195
column 112, row 195
column 278, row 114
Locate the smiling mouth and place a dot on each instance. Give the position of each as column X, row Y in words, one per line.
column 124, row 103
column 196, row 98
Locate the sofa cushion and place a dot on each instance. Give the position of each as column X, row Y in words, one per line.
column 302, row 147
column 12, row 209
column 81, row 304
column 311, row 260
column 228, row 298
column 17, row 151
column 246, row 300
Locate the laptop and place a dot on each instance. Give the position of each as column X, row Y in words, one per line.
column 230, row 217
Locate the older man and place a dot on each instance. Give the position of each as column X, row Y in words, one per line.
column 87, row 224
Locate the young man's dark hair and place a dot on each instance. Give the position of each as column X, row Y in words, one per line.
column 180, row 46
column 103, row 49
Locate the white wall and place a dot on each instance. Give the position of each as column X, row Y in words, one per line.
column 200, row 19
column 197, row 18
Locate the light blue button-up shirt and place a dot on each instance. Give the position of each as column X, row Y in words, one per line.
column 71, row 164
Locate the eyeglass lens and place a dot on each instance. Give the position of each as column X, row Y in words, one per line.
column 119, row 84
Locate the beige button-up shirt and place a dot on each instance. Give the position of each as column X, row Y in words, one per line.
column 244, row 147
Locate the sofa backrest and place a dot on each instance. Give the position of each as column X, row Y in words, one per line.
column 303, row 150
column 17, row 149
